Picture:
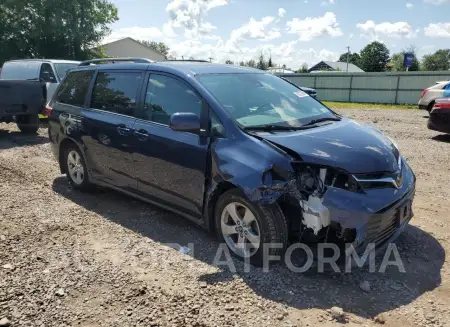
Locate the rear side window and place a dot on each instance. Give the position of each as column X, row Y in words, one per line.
column 116, row 92
column 74, row 88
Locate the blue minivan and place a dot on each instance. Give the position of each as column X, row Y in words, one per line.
column 239, row 151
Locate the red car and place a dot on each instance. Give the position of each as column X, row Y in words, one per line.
column 440, row 116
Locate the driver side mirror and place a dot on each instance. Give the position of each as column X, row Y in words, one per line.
column 185, row 122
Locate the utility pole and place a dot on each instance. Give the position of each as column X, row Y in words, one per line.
column 348, row 56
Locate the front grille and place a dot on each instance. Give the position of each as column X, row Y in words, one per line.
column 380, row 228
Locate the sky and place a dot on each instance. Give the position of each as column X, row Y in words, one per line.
column 292, row 32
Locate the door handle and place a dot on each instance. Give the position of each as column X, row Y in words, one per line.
column 141, row 134
column 123, row 130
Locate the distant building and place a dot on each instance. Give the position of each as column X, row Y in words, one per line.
column 274, row 70
column 335, row 66
column 129, row 47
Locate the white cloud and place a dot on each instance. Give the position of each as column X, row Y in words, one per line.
column 191, row 15
column 281, row 12
column 409, row 5
column 438, row 30
column 392, row 30
column 273, row 34
column 309, row 28
column 168, row 31
column 253, row 30
column 437, row 2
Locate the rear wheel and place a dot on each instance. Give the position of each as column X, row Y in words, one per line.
column 247, row 228
column 28, row 124
column 76, row 170
column 430, row 106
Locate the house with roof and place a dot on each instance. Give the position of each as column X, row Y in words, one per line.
column 129, row 47
column 335, row 66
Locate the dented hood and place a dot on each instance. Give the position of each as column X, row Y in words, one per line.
column 346, row 144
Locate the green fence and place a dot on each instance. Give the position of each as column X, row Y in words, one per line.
column 396, row 88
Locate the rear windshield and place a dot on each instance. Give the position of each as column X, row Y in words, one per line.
column 63, row 68
column 260, row 99
column 20, row 70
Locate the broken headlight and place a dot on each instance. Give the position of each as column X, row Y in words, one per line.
column 313, row 180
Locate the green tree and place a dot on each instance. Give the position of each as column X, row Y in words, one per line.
column 251, row 63
column 160, row 47
column 440, row 60
column 262, row 64
column 65, row 29
column 242, row 63
column 229, row 62
column 270, row 63
column 374, row 57
column 303, row 69
column 354, row 58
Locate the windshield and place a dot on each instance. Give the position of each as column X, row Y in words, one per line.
column 62, row 68
column 263, row 99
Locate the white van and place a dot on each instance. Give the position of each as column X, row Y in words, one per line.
column 49, row 71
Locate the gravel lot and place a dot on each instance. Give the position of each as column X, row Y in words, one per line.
column 101, row 259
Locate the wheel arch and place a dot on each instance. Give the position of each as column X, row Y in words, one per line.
column 212, row 199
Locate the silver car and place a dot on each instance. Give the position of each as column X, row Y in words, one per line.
column 50, row 71
column 429, row 95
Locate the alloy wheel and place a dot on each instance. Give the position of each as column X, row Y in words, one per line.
column 75, row 167
column 240, row 229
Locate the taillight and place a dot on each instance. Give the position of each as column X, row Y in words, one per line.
column 445, row 105
column 47, row 111
column 424, row 92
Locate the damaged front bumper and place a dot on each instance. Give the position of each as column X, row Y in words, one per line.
column 376, row 215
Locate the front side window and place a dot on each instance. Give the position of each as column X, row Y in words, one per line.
column 74, row 88
column 166, row 96
column 263, row 99
column 116, row 92
column 46, row 74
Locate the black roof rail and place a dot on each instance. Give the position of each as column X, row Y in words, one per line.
column 116, row 60
column 191, row 60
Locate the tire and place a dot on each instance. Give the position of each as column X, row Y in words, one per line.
column 76, row 169
column 430, row 106
column 269, row 222
column 28, row 124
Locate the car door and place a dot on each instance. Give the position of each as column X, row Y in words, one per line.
column 109, row 126
column 47, row 75
column 170, row 165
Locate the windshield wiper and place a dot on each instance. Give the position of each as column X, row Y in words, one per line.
column 315, row 121
column 270, row 127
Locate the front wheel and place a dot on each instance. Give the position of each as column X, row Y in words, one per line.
column 248, row 228
column 28, row 124
column 76, row 169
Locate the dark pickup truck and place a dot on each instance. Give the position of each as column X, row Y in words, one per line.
column 22, row 102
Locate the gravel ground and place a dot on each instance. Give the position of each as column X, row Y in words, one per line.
column 101, row 259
